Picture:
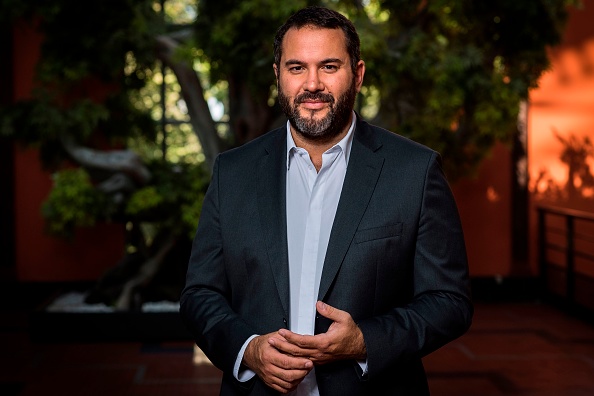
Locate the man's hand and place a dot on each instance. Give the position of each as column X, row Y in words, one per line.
column 278, row 370
column 343, row 340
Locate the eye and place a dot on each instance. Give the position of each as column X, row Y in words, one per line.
column 295, row 69
column 330, row 68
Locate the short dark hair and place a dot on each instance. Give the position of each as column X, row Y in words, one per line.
column 320, row 17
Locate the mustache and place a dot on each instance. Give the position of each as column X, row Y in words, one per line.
column 318, row 96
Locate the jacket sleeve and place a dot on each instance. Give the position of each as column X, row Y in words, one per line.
column 204, row 301
column 440, row 309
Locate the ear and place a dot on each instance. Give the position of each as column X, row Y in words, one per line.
column 359, row 74
column 275, row 71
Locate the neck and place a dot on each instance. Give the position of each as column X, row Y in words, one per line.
column 317, row 147
column 321, row 144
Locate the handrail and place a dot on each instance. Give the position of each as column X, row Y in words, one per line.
column 568, row 246
column 567, row 212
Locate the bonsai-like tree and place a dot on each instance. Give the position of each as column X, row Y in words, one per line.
column 448, row 73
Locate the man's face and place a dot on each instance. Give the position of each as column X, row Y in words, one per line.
column 316, row 86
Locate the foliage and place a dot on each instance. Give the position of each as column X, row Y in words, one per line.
column 449, row 74
column 235, row 38
column 72, row 203
column 173, row 199
column 87, row 70
column 143, row 200
column 89, row 79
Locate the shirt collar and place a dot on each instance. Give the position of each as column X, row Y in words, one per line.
column 345, row 143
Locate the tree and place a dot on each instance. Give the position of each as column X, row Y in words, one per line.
column 449, row 74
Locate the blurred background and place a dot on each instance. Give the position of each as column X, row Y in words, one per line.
column 112, row 112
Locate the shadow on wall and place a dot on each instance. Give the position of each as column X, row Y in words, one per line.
column 577, row 191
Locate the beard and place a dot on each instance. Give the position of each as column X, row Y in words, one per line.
column 329, row 126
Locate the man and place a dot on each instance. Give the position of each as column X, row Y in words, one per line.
column 329, row 257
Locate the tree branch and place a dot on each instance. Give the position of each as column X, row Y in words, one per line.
column 193, row 93
column 114, row 161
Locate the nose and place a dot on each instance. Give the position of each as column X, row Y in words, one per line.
column 313, row 82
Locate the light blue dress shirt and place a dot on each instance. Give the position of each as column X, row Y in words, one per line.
column 312, row 199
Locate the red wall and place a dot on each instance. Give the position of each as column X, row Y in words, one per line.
column 484, row 203
column 40, row 257
column 563, row 102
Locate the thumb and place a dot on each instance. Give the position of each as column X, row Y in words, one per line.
column 328, row 311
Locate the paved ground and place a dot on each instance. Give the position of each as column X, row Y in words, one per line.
column 511, row 349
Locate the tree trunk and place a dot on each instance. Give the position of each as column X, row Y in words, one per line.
column 200, row 117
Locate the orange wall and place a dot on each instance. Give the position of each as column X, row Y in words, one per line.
column 563, row 102
column 485, row 211
column 40, row 257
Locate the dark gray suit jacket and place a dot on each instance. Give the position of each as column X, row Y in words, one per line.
column 396, row 261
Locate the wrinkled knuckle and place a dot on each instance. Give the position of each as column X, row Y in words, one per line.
column 284, row 362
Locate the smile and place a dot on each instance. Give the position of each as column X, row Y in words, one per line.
column 313, row 105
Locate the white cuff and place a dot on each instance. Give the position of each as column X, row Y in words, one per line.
column 245, row 374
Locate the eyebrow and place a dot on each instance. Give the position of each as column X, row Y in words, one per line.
column 290, row 62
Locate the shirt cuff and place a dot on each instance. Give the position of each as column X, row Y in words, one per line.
column 243, row 374
column 363, row 365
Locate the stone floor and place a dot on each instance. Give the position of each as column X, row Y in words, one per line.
column 526, row 349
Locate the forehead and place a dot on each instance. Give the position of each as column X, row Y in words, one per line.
column 309, row 41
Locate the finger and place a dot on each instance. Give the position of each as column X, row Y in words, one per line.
column 285, row 379
column 288, row 356
column 301, row 341
column 280, row 385
column 295, row 345
column 332, row 313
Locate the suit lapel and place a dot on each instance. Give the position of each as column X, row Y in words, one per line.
column 361, row 177
column 271, row 190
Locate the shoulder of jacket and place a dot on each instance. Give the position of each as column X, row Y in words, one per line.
column 391, row 139
column 268, row 141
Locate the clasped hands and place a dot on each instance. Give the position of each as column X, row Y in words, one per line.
column 283, row 358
